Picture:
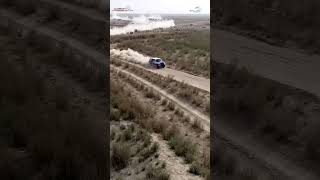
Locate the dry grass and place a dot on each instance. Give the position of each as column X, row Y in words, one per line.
column 131, row 145
column 181, row 145
column 157, row 174
column 196, row 124
column 171, row 106
column 148, row 152
column 40, row 133
column 129, row 108
column 175, row 47
column 120, row 154
column 193, row 96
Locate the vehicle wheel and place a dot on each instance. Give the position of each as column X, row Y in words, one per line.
column 158, row 67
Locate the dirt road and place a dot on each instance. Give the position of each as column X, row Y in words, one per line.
column 281, row 64
column 196, row 81
column 272, row 162
column 205, row 119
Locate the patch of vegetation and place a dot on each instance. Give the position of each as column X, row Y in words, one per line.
column 157, row 174
column 129, row 108
column 196, row 124
column 147, row 152
column 120, row 154
column 186, row 51
column 192, row 95
column 181, row 145
column 130, row 146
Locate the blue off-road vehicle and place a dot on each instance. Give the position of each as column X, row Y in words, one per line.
column 157, row 62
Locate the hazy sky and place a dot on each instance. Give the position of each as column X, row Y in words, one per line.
column 162, row 6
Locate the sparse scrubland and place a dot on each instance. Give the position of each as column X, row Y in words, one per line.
column 183, row 134
column 187, row 51
column 42, row 134
column 131, row 143
column 133, row 153
column 277, row 21
column 192, row 95
column 126, row 107
column 277, row 114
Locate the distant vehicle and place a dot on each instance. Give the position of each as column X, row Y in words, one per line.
column 126, row 9
column 196, row 10
column 157, row 62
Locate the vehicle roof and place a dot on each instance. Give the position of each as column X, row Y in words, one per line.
column 155, row 58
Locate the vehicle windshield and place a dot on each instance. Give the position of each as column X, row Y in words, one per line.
column 157, row 60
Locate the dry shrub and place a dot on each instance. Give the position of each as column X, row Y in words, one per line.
column 150, row 93
column 120, row 155
column 160, row 126
column 147, row 152
column 196, row 168
column 171, row 106
column 157, row 174
column 183, row 147
column 196, row 124
column 178, row 112
column 164, row 102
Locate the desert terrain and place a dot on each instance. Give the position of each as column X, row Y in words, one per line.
column 174, row 100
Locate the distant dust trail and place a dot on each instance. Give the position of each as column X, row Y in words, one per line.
column 141, row 23
column 130, row 55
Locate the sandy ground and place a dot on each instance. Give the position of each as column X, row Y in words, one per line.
column 281, row 64
column 176, row 167
column 199, row 82
column 196, row 81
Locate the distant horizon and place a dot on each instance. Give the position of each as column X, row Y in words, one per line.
column 198, row 14
column 163, row 6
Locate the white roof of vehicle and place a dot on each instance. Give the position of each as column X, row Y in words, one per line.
column 155, row 58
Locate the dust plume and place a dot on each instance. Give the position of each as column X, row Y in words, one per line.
column 130, row 55
column 141, row 23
